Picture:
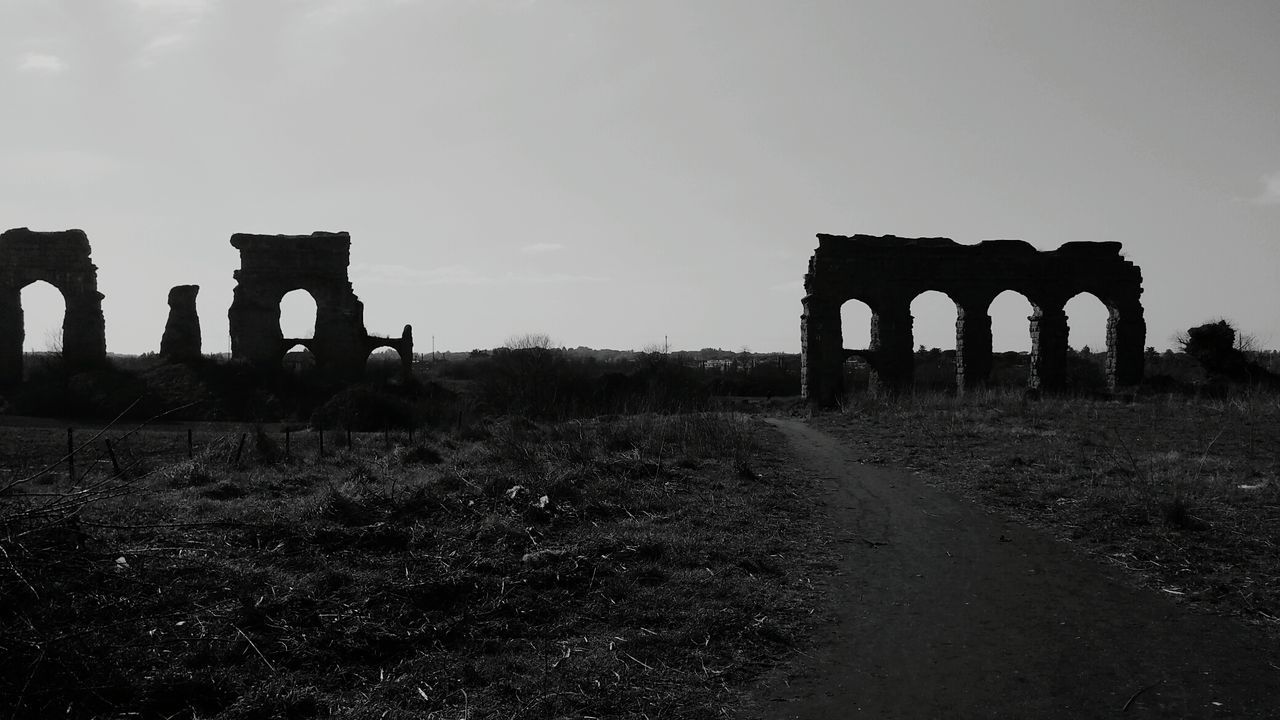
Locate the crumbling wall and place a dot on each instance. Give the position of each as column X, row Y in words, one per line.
column 181, row 340
column 888, row 272
column 62, row 260
column 273, row 265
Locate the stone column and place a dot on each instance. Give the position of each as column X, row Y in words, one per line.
column 11, row 333
column 84, row 338
column 893, row 367
column 1048, row 347
column 181, row 340
column 821, row 355
column 1126, row 340
column 973, row 345
column 406, row 353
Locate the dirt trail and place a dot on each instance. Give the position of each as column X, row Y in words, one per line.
column 945, row 611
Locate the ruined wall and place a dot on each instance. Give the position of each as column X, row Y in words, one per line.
column 181, row 340
column 888, row 272
column 62, row 260
column 272, row 266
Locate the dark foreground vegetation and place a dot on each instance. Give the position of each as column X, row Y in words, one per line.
column 642, row 566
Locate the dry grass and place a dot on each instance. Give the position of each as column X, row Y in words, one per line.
column 1184, row 493
column 641, row 566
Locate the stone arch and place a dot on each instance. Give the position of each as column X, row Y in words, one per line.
column 298, row 313
column 273, row 265
column 1088, row 317
column 298, row 358
column 856, row 322
column 934, row 314
column 61, row 259
column 42, row 336
column 887, row 272
column 1011, row 315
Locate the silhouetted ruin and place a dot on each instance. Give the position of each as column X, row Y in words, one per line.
column 272, row 266
column 888, row 272
column 1213, row 345
column 62, row 260
column 181, row 340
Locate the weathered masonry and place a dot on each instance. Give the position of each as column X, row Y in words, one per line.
column 888, row 272
column 62, row 260
column 274, row 265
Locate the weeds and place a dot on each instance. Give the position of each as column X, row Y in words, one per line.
column 623, row 567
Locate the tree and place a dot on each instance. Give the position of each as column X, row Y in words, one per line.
column 528, row 341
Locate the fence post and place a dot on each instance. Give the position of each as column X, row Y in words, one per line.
column 189, row 449
column 287, row 456
column 348, row 438
column 112, row 454
column 240, row 448
column 71, row 455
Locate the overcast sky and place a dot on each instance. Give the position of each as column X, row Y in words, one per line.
column 611, row 172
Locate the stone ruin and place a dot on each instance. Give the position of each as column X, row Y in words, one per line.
column 181, row 340
column 887, row 273
column 273, row 265
column 62, row 260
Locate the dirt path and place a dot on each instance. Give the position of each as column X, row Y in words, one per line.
column 945, row 611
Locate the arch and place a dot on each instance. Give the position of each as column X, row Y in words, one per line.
column 856, row 320
column 934, row 326
column 298, row 313
column 298, row 358
column 61, row 259
column 1087, row 318
column 1011, row 313
column 44, row 315
column 890, row 271
column 1090, row 342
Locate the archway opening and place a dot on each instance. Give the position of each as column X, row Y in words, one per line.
column 1010, row 313
column 298, row 315
column 1086, row 368
column 383, row 363
column 44, row 311
column 855, row 335
column 933, row 328
column 299, row 359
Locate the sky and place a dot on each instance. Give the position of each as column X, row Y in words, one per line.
column 611, row 173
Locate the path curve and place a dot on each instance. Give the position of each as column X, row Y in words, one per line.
column 942, row 610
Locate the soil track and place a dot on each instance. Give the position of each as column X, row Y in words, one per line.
column 941, row 610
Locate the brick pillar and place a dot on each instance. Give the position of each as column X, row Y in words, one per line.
column 893, row 368
column 1048, row 347
column 1126, row 341
column 11, row 331
column 84, row 339
column 821, row 356
column 973, row 345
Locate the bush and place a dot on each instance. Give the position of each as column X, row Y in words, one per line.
column 362, row 408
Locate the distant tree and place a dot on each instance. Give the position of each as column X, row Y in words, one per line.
column 528, row 341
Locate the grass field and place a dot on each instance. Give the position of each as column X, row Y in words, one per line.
column 637, row 566
column 1183, row 493
column 641, row 566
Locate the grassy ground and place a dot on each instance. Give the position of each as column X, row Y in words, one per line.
column 1183, row 493
column 625, row 567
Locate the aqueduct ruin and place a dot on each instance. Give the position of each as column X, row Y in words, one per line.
column 887, row 272
column 272, row 266
column 62, row 260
